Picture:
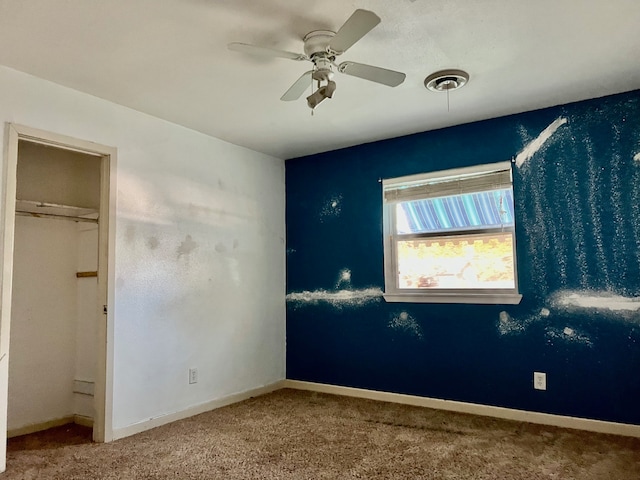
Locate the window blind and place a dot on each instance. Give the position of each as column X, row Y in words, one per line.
column 447, row 186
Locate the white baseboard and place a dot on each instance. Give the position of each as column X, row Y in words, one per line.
column 195, row 410
column 590, row 425
column 599, row 426
column 83, row 420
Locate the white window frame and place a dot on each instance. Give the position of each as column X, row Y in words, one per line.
column 432, row 184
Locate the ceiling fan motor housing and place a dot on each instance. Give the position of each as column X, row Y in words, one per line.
column 317, row 42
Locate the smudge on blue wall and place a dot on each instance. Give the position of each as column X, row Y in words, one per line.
column 577, row 189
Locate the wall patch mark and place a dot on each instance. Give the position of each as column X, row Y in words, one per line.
column 346, row 298
column 130, row 234
column 597, row 300
column 152, row 243
column 332, row 208
column 187, row 246
column 568, row 335
column 507, row 325
column 344, row 278
column 532, row 147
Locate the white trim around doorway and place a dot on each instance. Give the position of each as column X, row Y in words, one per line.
column 103, row 424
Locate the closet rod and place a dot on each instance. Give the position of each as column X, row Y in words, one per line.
column 53, row 215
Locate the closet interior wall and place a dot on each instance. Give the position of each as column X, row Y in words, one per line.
column 55, row 309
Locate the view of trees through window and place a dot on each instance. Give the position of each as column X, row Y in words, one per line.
column 469, row 261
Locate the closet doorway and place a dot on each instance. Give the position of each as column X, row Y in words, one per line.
column 56, row 330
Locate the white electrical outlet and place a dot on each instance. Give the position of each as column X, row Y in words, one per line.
column 539, row 380
column 193, row 375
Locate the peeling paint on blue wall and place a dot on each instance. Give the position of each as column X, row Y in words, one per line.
column 331, row 208
column 405, row 323
column 568, row 334
column 577, row 190
column 341, row 296
column 507, row 325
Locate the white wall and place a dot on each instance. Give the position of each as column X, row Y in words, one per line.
column 199, row 251
column 43, row 326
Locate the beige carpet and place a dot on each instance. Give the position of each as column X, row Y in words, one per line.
column 301, row 435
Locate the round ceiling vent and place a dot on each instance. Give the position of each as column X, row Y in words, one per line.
column 446, row 80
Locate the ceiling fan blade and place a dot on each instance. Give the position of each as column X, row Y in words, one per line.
column 374, row 74
column 265, row 51
column 357, row 26
column 298, row 88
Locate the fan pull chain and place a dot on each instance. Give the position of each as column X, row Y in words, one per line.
column 448, row 110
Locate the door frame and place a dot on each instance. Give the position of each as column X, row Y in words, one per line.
column 103, row 399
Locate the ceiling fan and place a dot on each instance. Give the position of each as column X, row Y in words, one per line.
column 321, row 47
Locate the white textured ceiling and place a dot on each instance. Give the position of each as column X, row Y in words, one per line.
column 169, row 58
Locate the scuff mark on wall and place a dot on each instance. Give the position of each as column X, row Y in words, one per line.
column 341, row 298
column 152, row 243
column 406, row 323
column 187, row 246
column 130, row 234
column 234, row 270
column 220, row 247
column 531, row 148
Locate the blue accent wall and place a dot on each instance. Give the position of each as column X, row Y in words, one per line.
column 578, row 245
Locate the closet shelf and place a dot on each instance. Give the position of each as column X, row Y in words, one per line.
column 68, row 212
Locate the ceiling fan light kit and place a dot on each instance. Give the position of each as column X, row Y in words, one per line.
column 446, row 80
column 319, row 95
column 321, row 47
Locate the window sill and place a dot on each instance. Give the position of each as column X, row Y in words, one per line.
column 479, row 298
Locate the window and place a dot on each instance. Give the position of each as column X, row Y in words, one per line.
column 449, row 237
